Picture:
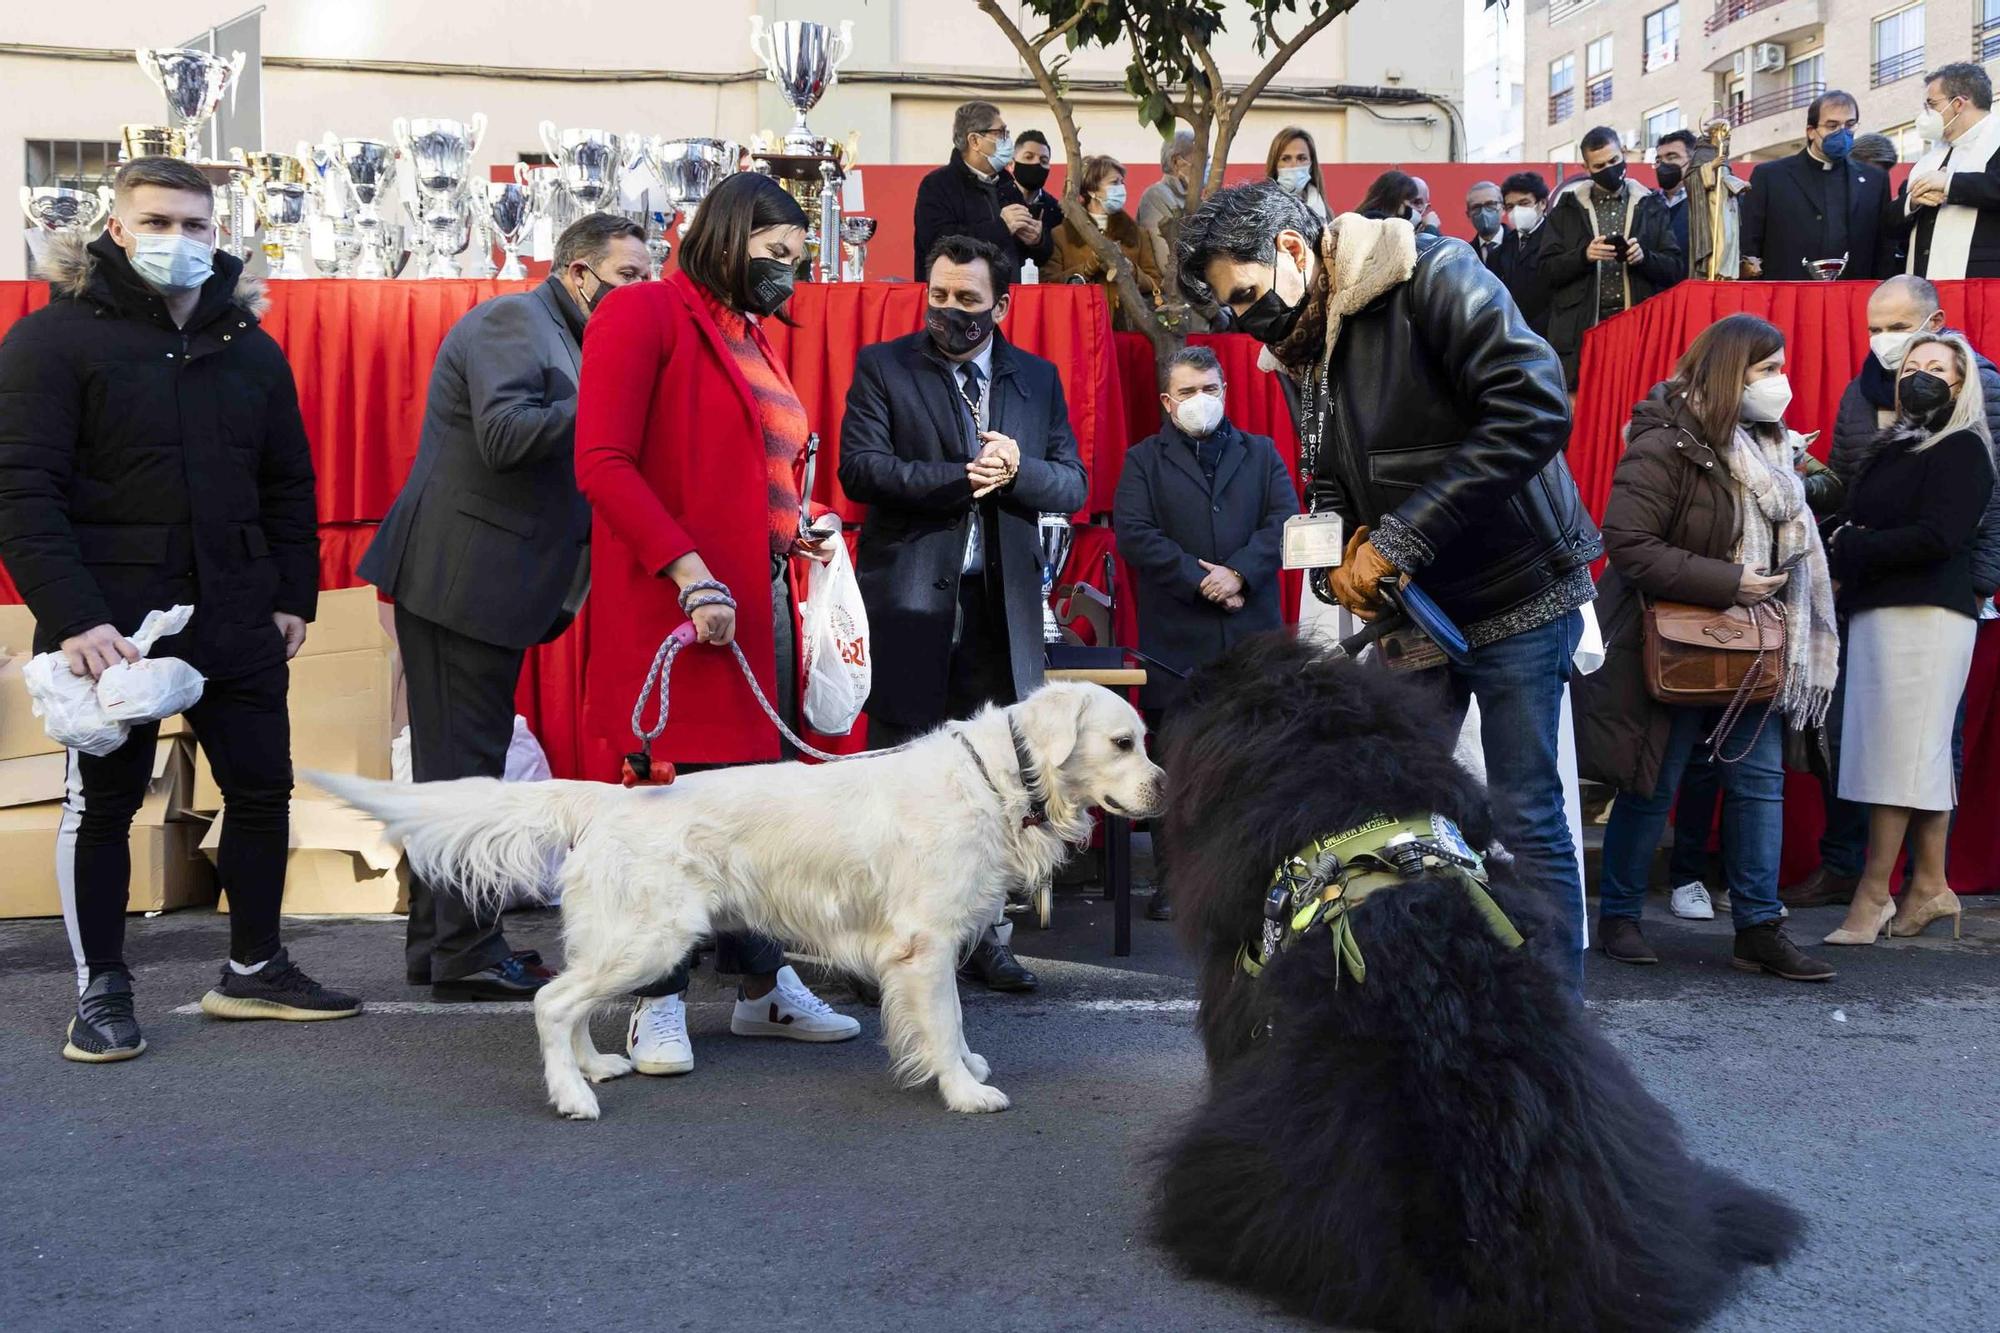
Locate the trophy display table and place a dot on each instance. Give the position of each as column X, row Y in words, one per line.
column 1117, row 828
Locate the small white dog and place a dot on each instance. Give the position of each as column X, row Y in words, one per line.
column 886, row 865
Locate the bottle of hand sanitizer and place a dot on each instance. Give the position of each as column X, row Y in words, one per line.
column 1029, row 273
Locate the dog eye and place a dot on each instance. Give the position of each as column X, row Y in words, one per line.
column 1123, row 742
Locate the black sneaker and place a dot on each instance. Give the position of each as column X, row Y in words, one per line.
column 1159, row 907
column 1622, row 941
column 103, row 1028
column 276, row 990
column 1766, row 948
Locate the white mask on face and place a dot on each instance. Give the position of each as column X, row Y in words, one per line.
column 1931, row 126
column 172, row 262
column 1889, row 348
column 1293, row 180
column 1766, row 400
column 1525, row 217
column 1199, row 415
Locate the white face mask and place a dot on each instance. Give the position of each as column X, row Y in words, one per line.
column 1525, row 217
column 1199, row 415
column 1114, row 198
column 1889, row 348
column 172, row 263
column 1931, row 126
column 1767, row 399
column 1293, row 180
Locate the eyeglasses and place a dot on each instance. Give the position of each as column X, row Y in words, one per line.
column 995, row 130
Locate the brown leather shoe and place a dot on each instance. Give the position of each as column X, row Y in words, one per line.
column 1822, row 888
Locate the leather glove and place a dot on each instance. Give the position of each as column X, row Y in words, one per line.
column 1357, row 581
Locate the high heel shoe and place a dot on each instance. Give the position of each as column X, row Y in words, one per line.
column 1846, row 936
column 1916, row 920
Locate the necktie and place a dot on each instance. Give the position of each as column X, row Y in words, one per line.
column 969, row 373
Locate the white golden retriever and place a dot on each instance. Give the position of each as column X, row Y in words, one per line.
column 886, row 865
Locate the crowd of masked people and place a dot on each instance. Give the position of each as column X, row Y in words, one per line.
column 639, row 444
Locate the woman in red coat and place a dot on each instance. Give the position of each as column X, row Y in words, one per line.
column 687, row 435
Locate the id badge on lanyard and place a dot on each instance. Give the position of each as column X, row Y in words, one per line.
column 1314, row 541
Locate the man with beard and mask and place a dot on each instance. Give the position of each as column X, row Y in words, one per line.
column 1671, row 160
column 152, row 455
column 1199, row 515
column 1819, row 203
column 958, row 442
column 1589, row 275
column 1432, row 421
column 1031, row 173
column 486, row 553
column 972, row 194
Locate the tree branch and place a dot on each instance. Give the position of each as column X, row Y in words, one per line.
column 1057, row 30
column 1219, row 99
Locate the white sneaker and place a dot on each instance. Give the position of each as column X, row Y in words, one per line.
column 791, row 1010
column 657, row 1036
column 1690, row 901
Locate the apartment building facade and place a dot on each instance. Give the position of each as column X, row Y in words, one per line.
column 1647, row 67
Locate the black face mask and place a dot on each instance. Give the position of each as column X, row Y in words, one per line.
column 1269, row 320
column 1669, row 176
column 957, row 332
column 1924, row 396
column 1031, row 176
column 596, row 298
column 771, row 282
column 1609, row 178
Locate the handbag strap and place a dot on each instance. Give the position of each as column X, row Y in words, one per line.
column 1733, row 711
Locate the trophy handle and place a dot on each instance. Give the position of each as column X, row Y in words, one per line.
column 237, row 60
column 552, row 142
column 28, row 204
column 150, row 63
column 843, row 47
column 108, row 198
column 762, row 46
column 521, row 173
column 478, row 134
column 399, row 130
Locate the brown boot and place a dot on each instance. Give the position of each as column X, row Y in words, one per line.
column 1822, row 888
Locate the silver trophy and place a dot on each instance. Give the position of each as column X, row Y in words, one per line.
column 546, row 199
column 804, row 60
column 587, row 163
column 1825, row 270
column 856, row 231
column 366, row 168
column 282, row 207
column 508, row 213
column 690, row 168
column 56, row 208
column 659, row 242
column 441, row 152
column 193, row 82
column 1056, row 534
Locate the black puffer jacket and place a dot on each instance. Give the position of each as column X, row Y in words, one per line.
column 143, row 465
column 1445, row 431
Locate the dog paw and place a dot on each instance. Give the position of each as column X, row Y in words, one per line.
column 977, row 1099
column 603, row 1068
column 976, row 1066
column 578, row 1105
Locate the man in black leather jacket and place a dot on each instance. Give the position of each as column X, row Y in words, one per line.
column 1432, row 420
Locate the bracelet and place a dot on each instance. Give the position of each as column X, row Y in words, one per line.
column 706, row 592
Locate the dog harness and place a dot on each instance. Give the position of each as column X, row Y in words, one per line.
column 1323, row 882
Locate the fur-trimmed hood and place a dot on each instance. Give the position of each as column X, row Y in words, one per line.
column 67, row 265
column 1367, row 258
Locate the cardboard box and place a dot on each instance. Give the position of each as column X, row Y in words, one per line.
column 17, row 629
column 341, row 864
column 341, row 698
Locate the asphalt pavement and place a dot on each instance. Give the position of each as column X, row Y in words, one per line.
column 402, row 1170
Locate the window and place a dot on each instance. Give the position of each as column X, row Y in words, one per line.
column 1597, row 72
column 1562, row 89
column 1662, row 122
column 1899, row 46
column 1808, row 70
column 77, row 164
column 1986, row 34
column 1663, row 36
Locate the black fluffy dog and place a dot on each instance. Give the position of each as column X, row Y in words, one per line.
column 1449, row 1144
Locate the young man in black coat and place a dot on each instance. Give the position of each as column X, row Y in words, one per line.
column 1589, row 279
column 1200, row 517
column 1819, row 203
column 1525, row 198
column 958, row 442
column 152, row 455
column 972, row 195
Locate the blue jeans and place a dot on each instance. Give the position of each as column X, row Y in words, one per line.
column 1753, row 819
column 1519, row 684
column 1694, row 819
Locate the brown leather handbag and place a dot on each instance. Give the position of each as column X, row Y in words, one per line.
column 1701, row 657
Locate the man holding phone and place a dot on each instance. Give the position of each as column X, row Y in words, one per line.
column 1609, row 244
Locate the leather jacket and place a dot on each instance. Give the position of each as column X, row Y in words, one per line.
column 1443, row 428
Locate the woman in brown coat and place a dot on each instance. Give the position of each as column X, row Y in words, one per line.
column 1707, row 508
column 1102, row 184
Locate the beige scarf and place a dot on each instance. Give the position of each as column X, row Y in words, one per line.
column 1771, row 498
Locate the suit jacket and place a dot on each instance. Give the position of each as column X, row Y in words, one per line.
column 489, row 535
column 1169, row 518
column 1514, row 263
column 904, row 443
column 1782, row 220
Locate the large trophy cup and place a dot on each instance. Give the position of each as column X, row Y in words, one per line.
column 689, row 169
column 587, row 164
column 1056, row 534
column 856, row 231
column 279, row 193
column 193, row 82
column 56, row 208
column 366, row 167
column 509, row 214
column 804, row 59
column 441, row 151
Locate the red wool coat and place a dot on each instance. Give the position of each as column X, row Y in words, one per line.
column 670, row 454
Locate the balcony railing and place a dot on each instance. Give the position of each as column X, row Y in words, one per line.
column 1597, row 92
column 1663, row 55
column 1729, row 11
column 1772, row 104
column 1562, row 9
column 1891, row 68
column 1562, row 106
column 1986, row 38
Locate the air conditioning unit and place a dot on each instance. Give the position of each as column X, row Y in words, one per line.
column 1770, row 56
column 1739, row 65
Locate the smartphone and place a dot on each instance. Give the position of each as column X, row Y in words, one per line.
column 1787, row 567
column 1618, row 243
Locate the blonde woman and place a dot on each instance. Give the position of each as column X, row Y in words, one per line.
column 1904, row 566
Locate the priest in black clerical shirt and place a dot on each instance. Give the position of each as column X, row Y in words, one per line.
column 1818, row 203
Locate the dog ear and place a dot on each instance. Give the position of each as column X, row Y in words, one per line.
column 1053, row 723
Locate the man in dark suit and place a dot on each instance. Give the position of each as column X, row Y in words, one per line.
column 972, row 195
column 1200, row 515
column 958, row 442
column 1818, row 203
column 1524, row 199
column 1488, row 219
column 486, row 554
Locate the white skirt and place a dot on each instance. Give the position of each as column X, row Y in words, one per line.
column 1906, row 671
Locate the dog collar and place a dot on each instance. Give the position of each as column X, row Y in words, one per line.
column 1038, row 806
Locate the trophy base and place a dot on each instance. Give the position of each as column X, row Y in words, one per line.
column 512, row 270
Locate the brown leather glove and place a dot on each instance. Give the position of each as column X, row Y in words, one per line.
column 1356, row 582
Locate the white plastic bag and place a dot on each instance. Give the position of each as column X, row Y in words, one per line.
column 834, row 643
column 95, row 716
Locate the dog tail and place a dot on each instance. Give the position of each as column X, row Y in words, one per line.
column 480, row 837
column 1752, row 1226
